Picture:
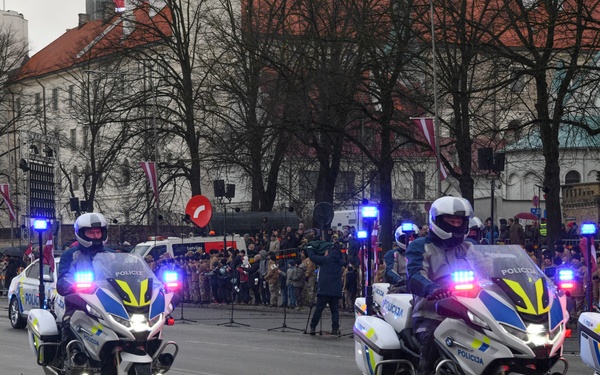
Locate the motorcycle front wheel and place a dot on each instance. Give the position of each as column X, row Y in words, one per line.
column 140, row 369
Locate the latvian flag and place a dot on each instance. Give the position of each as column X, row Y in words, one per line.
column 426, row 125
column 5, row 192
column 119, row 6
column 150, row 170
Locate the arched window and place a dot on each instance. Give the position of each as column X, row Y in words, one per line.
column 126, row 172
column 572, row 177
column 513, row 187
column 75, row 178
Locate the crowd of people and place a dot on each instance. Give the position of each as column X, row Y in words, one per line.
column 264, row 274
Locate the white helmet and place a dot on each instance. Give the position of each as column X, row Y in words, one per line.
column 476, row 222
column 401, row 236
column 91, row 220
column 443, row 233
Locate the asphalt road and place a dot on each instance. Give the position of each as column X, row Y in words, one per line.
column 210, row 345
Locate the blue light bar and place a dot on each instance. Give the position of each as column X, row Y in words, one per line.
column 565, row 275
column 361, row 234
column 40, row 224
column 370, row 212
column 84, row 277
column 170, row 276
column 588, row 229
column 463, row 276
column 408, row 227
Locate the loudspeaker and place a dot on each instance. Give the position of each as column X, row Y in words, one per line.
column 230, row 191
column 84, row 206
column 219, row 188
column 499, row 162
column 485, row 158
column 74, row 204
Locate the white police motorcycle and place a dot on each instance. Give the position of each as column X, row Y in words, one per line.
column 512, row 321
column 116, row 327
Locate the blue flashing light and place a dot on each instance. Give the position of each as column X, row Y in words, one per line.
column 565, row 275
column 370, row 212
column 588, row 229
column 84, row 277
column 463, row 276
column 170, row 276
column 40, row 225
column 408, row 227
column 361, row 234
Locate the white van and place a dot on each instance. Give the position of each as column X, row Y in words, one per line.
column 179, row 246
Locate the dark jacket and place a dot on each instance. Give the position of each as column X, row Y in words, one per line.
column 330, row 272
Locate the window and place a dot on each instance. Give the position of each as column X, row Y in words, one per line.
column 54, row 99
column 307, row 184
column 572, row 177
column 84, row 141
column 17, row 106
column 374, row 187
column 38, row 102
column 344, row 185
column 73, row 139
column 75, row 178
column 71, row 96
column 126, row 173
column 418, row 185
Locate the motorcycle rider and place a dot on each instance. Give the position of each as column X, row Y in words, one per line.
column 431, row 261
column 91, row 231
column 395, row 263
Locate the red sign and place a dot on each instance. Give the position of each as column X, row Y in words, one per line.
column 199, row 210
column 535, row 201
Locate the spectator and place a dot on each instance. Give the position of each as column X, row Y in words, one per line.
column 274, row 244
column 289, row 282
column 504, row 233
column 517, row 233
column 255, row 279
column 351, row 287
column 282, row 282
column 578, row 293
column 272, row 278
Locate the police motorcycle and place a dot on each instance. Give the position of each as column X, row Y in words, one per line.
column 117, row 325
column 511, row 320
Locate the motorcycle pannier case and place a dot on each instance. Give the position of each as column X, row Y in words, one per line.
column 44, row 337
column 374, row 340
column 589, row 339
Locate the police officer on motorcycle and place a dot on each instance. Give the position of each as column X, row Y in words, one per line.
column 431, row 261
column 91, row 231
column 395, row 264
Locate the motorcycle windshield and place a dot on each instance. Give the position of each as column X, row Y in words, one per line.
column 519, row 277
column 128, row 275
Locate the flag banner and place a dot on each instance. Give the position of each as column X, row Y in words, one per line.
column 5, row 191
column 48, row 253
column 29, row 251
column 119, row 6
column 427, row 127
column 150, row 170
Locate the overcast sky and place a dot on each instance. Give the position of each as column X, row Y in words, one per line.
column 48, row 19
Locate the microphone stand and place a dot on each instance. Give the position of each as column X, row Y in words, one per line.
column 284, row 325
column 182, row 319
column 231, row 322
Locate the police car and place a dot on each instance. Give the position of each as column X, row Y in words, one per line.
column 24, row 290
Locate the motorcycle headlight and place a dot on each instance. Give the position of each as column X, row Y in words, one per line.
column 121, row 321
column 515, row 332
column 554, row 333
column 155, row 320
column 139, row 323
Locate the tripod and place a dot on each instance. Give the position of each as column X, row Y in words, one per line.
column 231, row 322
column 284, row 325
column 182, row 319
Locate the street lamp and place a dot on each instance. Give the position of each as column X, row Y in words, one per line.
column 369, row 215
column 589, row 230
column 40, row 225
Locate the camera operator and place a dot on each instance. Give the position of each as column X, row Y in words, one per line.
column 329, row 286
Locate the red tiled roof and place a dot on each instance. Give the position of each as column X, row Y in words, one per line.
column 93, row 40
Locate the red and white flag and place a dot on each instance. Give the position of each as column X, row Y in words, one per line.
column 427, row 126
column 29, row 251
column 5, row 192
column 150, row 170
column 119, row 6
column 48, row 253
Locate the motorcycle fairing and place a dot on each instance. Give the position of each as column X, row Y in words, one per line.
column 129, row 295
column 589, row 339
column 111, row 305
column 501, row 312
column 530, row 297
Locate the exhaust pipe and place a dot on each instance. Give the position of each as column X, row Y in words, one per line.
column 79, row 359
column 166, row 359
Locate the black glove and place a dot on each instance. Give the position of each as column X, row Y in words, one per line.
column 401, row 282
column 439, row 293
column 595, row 277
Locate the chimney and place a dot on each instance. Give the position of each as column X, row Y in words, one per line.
column 83, row 19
